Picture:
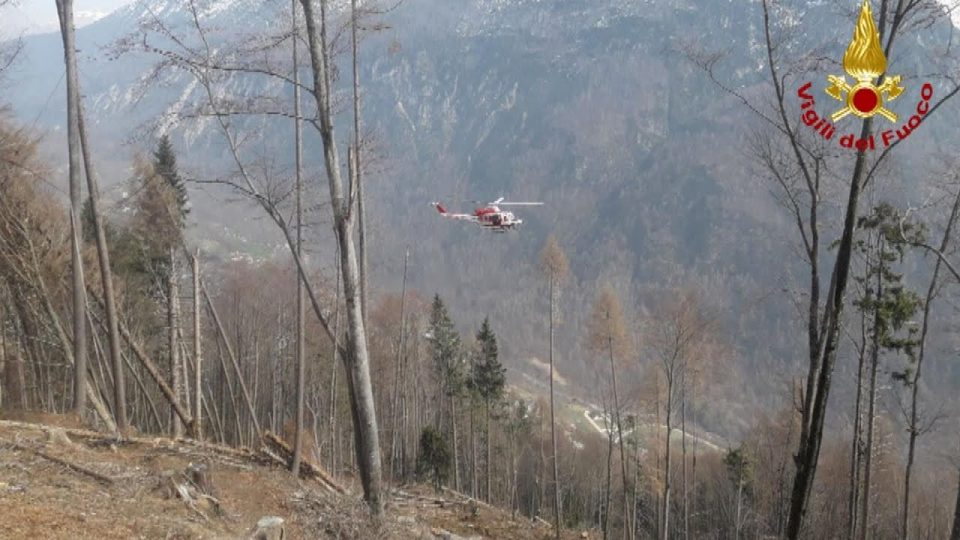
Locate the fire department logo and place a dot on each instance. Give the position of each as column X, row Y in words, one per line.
column 864, row 61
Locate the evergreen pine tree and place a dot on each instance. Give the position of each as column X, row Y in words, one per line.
column 487, row 382
column 446, row 348
column 489, row 375
column 433, row 460
column 165, row 164
column 449, row 368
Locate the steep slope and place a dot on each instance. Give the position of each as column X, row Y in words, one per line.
column 56, row 482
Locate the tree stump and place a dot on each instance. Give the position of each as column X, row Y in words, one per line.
column 199, row 475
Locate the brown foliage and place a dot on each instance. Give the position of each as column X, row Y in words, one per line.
column 553, row 262
column 607, row 327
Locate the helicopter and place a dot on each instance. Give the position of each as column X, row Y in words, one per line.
column 490, row 216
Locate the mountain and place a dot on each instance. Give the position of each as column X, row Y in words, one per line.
column 589, row 105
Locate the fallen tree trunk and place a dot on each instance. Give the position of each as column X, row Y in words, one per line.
column 307, row 469
column 69, row 465
column 151, row 368
column 227, row 454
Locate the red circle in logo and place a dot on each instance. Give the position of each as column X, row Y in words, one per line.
column 865, row 100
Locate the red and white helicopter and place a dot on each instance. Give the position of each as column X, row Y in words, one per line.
column 490, row 216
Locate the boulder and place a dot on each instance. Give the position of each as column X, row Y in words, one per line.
column 268, row 528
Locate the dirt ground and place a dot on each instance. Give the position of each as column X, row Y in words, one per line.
column 138, row 497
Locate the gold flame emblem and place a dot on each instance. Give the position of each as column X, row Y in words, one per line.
column 864, row 61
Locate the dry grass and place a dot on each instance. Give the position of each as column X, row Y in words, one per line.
column 40, row 498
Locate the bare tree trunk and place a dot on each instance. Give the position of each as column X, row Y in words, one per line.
column 143, row 390
column 608, row 424
column 912, row 426
column 665, row 528
column 358, row 165
column 553, row 422
column 103, row 255
column 683, row 453
column 623, row 456
column 298, row 154
column 366, row 434
column 456, row 452
column 399, row 387
column 856, row 449
column 635, row 503
column 473, row 444
column 110, row 306
column 233, row 359
column 696, row 443
column 739, row 501
column 197, row 356
column 659, row 469
column 65, row 11
column 182, row 412
column 14, row 388
column 511, row 443
column 184, row 368
column 334, row 438
column 487, row 460
column 955, row 528
column 871, row 412
column 172, row 345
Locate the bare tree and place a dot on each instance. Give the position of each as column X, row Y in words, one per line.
column 298, row 157
column 173, row 346
column 197, row 354
column 30, row 240
column 553, row 263
column 65, row 12
column 208, row 64
column 677, row 337
column 357, row 361
column 358, row 161
column 914, row 427
column 608, row 336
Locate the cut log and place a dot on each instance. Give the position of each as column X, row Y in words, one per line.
column 69, row 465
column 466, row 498
column 307, row 469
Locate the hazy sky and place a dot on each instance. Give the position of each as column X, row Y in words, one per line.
column 33, row 16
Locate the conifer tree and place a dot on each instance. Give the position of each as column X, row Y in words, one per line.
column 433, row 461
column 159, row 215
column 488, row 381
column 446, row 349
column 165, row 165
column 449, row 368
